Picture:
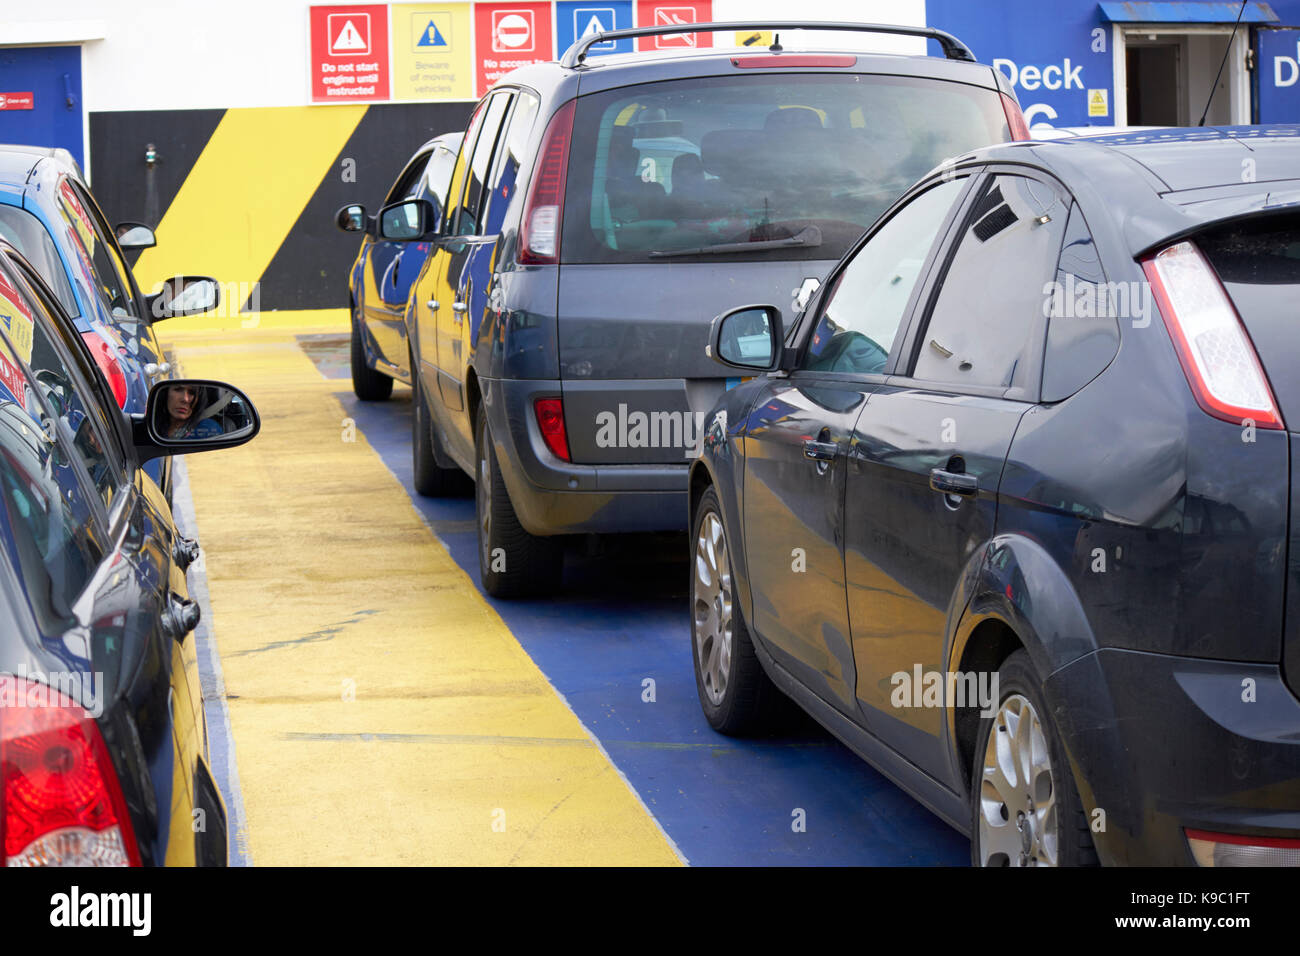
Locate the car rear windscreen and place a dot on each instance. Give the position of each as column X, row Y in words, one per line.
column 1258, row 262
column 769, row 165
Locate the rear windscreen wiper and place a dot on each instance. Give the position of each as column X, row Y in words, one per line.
column 809, row 236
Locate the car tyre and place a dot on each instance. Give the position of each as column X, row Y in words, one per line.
column 512, row 562
column 1025, row 809
column 735, row 692
column 367, row 384
column 431, row 480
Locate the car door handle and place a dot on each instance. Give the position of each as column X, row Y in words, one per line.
column 953, row 483
column 459, row 307
column 820, row 450
column 433, row 305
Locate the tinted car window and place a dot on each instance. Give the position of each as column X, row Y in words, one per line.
column 1082, row 331
column 108, row 251
column 408, row 180
column 30, row 238
column 472, row 200
column 990, row 300
column 437, row 176
column 802, row 162
column 51, row 528
column 866, row 304
column 458, row 176
column 111, row 289
column 505, row 172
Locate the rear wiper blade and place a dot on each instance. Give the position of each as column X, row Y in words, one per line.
column 809, row 236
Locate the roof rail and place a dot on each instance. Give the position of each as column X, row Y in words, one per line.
column 953, row 48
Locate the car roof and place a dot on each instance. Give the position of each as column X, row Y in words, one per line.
column 33, row 155
column 450, row 140
column 1163, row 184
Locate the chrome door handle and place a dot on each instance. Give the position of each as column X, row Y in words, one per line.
column 820, row 450
column 433, row 305
column 459, row 307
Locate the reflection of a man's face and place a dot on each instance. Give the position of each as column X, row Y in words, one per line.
column 180, row 402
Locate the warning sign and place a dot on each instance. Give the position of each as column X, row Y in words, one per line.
column 575, row 19
column 671, row 13
column 508, row 36
column 1098, row 103
column 432, row 52
column 349, row 54
column 17, row 101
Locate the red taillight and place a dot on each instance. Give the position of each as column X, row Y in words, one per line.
column 1015, row 119
column 539, row 230
column 1233, row 849
column 108, row 364
column 794, row 60
column 550, row 419
column 60, row 801
column 1217, row 355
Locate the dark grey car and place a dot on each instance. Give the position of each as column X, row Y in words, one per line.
column 601, row 212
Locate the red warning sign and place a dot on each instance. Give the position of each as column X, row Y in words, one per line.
column 672, row 13
column 349, row 54
column 508, row 36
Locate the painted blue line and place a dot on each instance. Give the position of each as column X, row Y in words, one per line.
column 622, row 619
column 221, row 742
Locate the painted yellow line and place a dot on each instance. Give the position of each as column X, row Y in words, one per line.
column 300, row 321
column 243, row 195
column 382, row 712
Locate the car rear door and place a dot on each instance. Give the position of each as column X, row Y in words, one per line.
column 929, row 449
column 798, row 446
column 387, row 284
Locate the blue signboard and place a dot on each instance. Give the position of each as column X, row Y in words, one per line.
column 574, row 19
column 1277, row 71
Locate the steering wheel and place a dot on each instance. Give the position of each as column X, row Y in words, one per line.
column 854, row 352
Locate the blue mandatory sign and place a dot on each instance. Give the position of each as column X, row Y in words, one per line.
column 575, row 19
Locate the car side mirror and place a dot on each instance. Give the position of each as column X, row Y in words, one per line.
column 184, row 295
column 134, row 235
column 189, row 415
column 749, row 337
column 351, row 218
column 407, row 220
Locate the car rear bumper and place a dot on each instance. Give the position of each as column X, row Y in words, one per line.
column 1160, row 744
column 552, row 496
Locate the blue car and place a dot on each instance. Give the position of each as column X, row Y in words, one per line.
column 50, row 216
column 381, row 277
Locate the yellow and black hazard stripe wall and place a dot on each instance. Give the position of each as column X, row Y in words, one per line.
column 249, row 195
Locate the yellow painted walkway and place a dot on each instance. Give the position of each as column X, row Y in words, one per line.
column 337, row 615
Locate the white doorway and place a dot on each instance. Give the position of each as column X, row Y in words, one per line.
column 1164, row 75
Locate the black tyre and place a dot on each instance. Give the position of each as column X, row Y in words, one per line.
column 430, row 479
column 735, row 692
column 1025, row 810
column 367, row 384
column 512, row 562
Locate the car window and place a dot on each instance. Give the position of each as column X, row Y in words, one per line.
column 62, row 376
column 32, row 239
column 505, row 171
column 111, row 287
column 437, row 176
column 1082, row 327
column 865, row 306
column 409, row 180
column 460, row 171
column 988, row 306
column 468, row 221
column 793, row 166
column 51, row 532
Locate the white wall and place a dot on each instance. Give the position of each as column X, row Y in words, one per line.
column 188, row 54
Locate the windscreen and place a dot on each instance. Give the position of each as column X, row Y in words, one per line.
column 1258, row 262
column 758, row 166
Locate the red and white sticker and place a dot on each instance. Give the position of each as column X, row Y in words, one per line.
column 17, row 101
column 513, row 31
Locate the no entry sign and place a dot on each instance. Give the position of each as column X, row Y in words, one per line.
column 509, row 35
column 349, row 54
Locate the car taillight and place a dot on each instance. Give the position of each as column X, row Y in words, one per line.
column 1231, row 849
column 60, row 801
column 1217, row 355
column 1015, row 119
column 108, row 364
column 794, row 61
column 539, row 230
column 550, row 419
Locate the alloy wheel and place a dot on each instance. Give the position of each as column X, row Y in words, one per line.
column 1017, row 811
column 711, row 613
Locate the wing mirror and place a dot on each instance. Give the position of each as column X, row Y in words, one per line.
column 408, row 220
column 184, row 295
column 134, row 235
column 749, row 337
column 352, row 218
column 189, row 415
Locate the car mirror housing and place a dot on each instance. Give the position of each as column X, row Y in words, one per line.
column 184, row 295
column 408, row 220
column 351, row 218
column 749, row 337
column 134, row 235
column 189, row 415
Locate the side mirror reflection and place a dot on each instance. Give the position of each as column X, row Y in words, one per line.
column 134, row 235
column 748, row 337
column 185, row 295
column 351, row 218
column 192, row 411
